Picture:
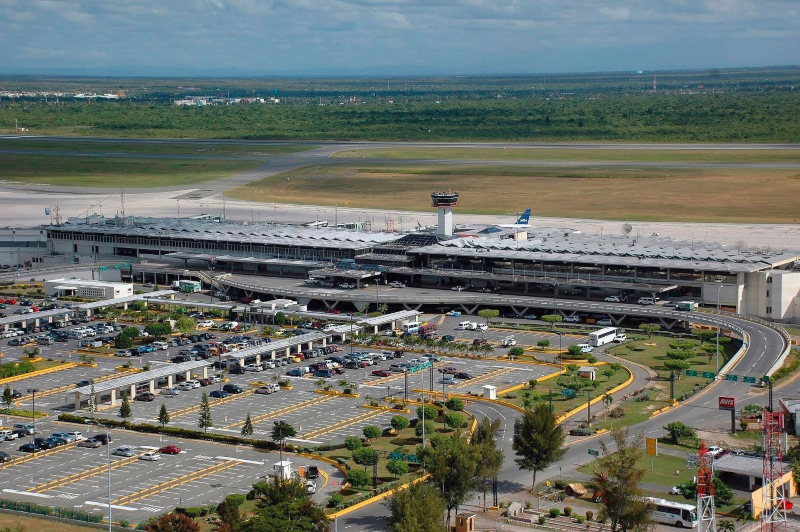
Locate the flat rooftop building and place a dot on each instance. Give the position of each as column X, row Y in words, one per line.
column 87, row 289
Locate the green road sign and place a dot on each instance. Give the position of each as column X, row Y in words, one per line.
column 127, row 265
column 594, row 452
column 396, row 456
column 103, row 268
column 730, row 377
column 412, row 458
column 751, row 380
column 708, row 374
column 567, row 392
column 116, row 266
column 691, row 373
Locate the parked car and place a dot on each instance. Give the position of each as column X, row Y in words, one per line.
column 397, row 284
column 233, row 388
column 614, row 299
column 170, row 449
column 447, row 380
column 146, row 396
column 8, row 435
column 572, row 319
column 219, row 394
column 90, row 443
column 103, row 438
column 463, row 375
column 603, row 322
column 381, row 373
column 29, row 448
column 4, row 457
column 170, row 392
column 150, row 456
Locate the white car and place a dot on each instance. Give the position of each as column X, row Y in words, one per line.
column 572, row 319
column 715, row 451
column 347, row 286
column 193, row 383
column 205, row 323
column 397, row 284
column 586, row 348
column 170, row 391
column 509, row 342
column 268, row 365
column 603, row 322
column 457, row 289
column 483, row 327
column 473, row 326
column 613, row 299
column 151, row 456
column 620, row 338
column 311, row 487
column 77, row 435
column 185, row 386
column 125, row 450
column 253, row 367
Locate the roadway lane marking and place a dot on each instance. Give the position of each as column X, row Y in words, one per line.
column 242, row 460
column 114, row 506
column 18, row 492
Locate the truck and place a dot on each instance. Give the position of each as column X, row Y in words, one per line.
column 686, row 305
column 427, row 328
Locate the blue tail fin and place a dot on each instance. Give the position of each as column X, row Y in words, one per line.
column 524, row 218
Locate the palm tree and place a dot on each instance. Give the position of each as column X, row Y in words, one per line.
column 319, row 383
column 607, row 400
column 726, row 526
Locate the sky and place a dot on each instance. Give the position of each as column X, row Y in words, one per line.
column 384, row 37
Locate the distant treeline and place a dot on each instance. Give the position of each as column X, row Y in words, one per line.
column 727, row 117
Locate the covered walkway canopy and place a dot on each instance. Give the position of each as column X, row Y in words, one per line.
column 284, row 345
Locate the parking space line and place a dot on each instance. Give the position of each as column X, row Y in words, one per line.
column 183, row 479
column 282, row 411
column 485, row 376
column 212, row 404
column 81, row 475
column 344, row 423
column 40, row 454
column 383, row 380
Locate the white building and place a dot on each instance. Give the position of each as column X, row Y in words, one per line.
column 88, row 289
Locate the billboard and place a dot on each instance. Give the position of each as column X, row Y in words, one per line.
column 727, row 403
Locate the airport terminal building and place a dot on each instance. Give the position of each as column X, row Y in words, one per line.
column 558, row 261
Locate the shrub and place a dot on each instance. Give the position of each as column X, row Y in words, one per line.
column 454, row 403
column 555, row 512
column 335, row 500
column 511, row 395
column 542, row 519
column 528, row 505
column 430, row 412
column 430, row 428
column 398, row 423
column 193, row 512
column 124, row 523
column 580, row 519
column 352, row 443
column 567, row 511
column 589, row 515
column 591, row 359
column 358, row 477
column 453, row 419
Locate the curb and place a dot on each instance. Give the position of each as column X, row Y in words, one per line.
column 65, row 365
column 376, row 498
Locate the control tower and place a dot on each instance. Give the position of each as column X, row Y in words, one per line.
column 445, row 201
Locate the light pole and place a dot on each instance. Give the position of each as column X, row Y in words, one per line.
column 33, row 391
column 719, row 288
column 108, row 461
column 423, row 409
column 351, row 333
column 560, row 361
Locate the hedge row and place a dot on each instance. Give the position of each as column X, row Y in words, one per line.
column 185, row 433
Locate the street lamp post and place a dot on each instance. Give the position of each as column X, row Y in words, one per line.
column 423, row 409
column 108, row 462
column 33, row 391
column 719, row 288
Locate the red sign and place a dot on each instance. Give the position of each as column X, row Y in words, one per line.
column 727, row 403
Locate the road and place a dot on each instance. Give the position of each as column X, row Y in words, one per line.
column 25, row 203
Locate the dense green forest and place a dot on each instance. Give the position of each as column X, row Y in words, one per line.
column 759, row 105
column 725, row 117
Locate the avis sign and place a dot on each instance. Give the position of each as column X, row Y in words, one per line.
column 727, row 403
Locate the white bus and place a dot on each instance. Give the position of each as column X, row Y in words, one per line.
column 602, row 337
column 186, row 286
column 673, row 513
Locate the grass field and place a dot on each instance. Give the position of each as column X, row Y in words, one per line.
column 154, row 148
column 20, row 523
column 581, row 155
column 116, row 172
column 692, row 195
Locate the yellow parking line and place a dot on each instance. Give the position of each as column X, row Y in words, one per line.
column 53, row 484
column 282, row 411
column 40, row 454
column 383, row 380
column 175, row 482
column 343, row 424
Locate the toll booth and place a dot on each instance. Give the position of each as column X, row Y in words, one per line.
column 490, row 392
column 282, row 470
column 465, row 522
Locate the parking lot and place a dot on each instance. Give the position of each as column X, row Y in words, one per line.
column 203, row 473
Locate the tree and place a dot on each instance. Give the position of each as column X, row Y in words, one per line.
column 552, row 319
column 538, row 441
column 132, row 332
column 453, row 420
column 575, row 351
column 704, row 335
column 399, row 423
column 617, row 479
column 123, row 341
column 488, row 314
column 358, row 478
column 398, row 468
column 185, row 324
column 680, row 354
column 158, row 329
column 163, row 415
column 279, row 319
column 543, row 344
column 678, row 431
column 615, row 366
column 677, row 365
column 172, row 522
column 488, row 458
column 8, row 397
column 228, row 511
column 92, row 400
column 281, row 431
column 430, row 428
column 286, row 506
column 372, row 432
column 430, row 412
column 725, row 526
column 649, row 328
column 365, row 457
column 608, row 372
column 417, row 509
column 516, row 352
column 454, row 403
column 125, row 408
column 204, row 421
column 247, row 428
column 138, row 306
column 351, row 443
column 723, row 495
column 451, row 464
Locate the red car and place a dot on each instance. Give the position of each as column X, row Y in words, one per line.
column 11, row 301
column 170, row 449
column 382, row 373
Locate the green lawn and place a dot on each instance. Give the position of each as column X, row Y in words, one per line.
column 115, row 172
column 573, row 154
column 155, row 148
column 655, row 353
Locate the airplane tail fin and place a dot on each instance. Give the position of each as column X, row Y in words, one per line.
column 524, row 218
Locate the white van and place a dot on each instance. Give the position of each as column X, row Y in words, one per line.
column 463, row 326
column 585, row 348
column 473, row 326
column 646, row 301
column 8, row 435
column 163, row 346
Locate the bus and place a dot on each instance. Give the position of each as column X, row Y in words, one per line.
column 679, row 514
column 602, row 337
column 189, row 286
